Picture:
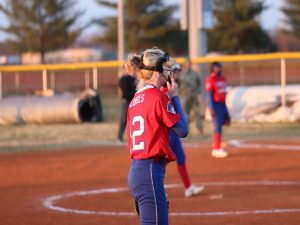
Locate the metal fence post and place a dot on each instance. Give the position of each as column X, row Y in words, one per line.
column 95, row 78
column 121, row 36
column 45, row 82
column 283, row 89
column 283, row 82
column 1, row 94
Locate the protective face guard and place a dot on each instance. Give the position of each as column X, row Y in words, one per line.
column 176, row 67
column 158, row 67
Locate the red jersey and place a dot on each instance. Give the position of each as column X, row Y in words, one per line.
column 164, row 90
column 150, row 116
column 217, row 85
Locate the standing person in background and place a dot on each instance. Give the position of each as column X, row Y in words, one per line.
column 127, row 85
column 151, row 116
column 216, row 100
column 189, row 89
column 176, row 146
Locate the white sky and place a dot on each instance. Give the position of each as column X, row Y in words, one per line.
column 270, row 19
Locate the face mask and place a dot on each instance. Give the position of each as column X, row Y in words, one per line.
column 167, row 76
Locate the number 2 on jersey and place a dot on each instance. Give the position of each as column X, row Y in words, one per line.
column 137, row 133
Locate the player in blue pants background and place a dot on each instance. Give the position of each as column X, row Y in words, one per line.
column 216, row 86
column 177, row 148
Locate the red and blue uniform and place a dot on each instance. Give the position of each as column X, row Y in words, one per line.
column 177, row 148
column 149, row 125
column 151, row 115
column 216, row 86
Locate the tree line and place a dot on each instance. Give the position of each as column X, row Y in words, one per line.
column 43, row 25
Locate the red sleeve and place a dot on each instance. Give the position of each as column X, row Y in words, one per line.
column 166, row 111
column 164, row 90
column 209, row 84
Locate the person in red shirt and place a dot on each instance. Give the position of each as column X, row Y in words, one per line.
column 151, row 116
column 216, row 100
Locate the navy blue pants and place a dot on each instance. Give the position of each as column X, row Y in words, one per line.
column 146, row 184
column 221, row 116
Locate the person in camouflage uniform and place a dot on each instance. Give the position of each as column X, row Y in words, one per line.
column 189, row 91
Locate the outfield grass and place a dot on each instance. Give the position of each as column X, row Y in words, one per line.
column 43, row 137
column 40, row 137
column 111, row 106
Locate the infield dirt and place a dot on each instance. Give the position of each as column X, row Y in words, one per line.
column 28, row 178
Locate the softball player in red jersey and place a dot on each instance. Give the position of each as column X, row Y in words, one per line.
column 151, row 115
column 216, row 100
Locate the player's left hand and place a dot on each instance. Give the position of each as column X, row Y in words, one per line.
column 172, row 87
column 227, row 121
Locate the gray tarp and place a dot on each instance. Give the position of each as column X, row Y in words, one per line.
column 46, row 110
column 263, row 103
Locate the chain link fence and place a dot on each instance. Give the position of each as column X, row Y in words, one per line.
column 240, row 70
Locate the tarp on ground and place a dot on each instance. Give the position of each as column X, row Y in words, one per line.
column 263, row 103
column 50, row 110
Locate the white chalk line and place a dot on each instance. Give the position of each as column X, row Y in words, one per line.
column 234, row 143
column 51, row 201
column 241, row 144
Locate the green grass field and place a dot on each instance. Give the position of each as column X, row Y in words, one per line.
column 43, row 137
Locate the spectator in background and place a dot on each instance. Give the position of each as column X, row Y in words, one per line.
column 216, row 100
column 189, row 91
column 127, row 85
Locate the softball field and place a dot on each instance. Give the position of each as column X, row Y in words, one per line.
column 258, row 184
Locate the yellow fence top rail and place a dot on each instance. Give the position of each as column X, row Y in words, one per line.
column 112, row 64
column 252, row 57
column 70, row 66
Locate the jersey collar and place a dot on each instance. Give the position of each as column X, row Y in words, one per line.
column 147, row 86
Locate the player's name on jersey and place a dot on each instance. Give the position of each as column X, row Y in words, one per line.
column 137, row 100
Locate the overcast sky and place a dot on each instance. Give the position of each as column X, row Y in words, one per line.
column 270, row 19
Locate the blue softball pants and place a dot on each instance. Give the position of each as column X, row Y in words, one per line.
column 221, row 115
column 177, row 148
column 146, row 184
